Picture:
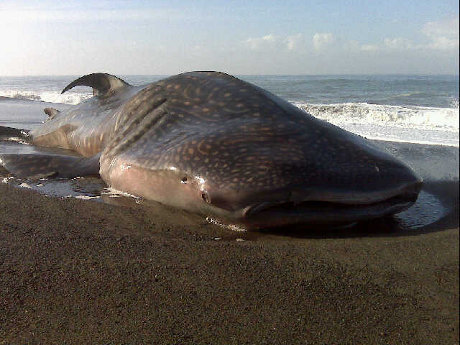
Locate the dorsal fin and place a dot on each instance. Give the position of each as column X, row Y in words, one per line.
column 103, row 84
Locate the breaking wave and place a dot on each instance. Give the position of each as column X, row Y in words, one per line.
column 446, row 119
column 51, row 97
column 414, row 124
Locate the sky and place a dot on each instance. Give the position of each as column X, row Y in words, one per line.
column 245, row 37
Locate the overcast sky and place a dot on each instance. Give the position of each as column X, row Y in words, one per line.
column 238, row 37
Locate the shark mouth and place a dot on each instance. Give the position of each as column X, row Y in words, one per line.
column 276, row 214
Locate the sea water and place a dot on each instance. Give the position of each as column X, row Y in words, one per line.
column 405, row 108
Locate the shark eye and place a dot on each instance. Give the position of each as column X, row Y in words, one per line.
column 183, row 180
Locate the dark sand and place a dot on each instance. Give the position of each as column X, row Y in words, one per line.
column 79, row 272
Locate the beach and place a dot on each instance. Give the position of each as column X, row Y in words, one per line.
column 120, row 270
column 74, row 272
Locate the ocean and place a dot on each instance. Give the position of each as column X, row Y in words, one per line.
column 403, row 108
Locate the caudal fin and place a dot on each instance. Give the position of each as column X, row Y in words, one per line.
column 103, row 84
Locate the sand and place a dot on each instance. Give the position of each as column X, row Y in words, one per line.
column 77, row 272
column 84, row 272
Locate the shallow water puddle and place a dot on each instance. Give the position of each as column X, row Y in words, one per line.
column 427, row 210
column 80, row 187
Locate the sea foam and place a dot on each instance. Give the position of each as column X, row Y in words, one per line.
column 392, row 115
column 414, row 124
column 47, row 96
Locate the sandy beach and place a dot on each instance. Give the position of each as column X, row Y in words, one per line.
column 75, row 272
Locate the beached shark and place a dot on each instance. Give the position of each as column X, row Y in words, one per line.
column 211, row 143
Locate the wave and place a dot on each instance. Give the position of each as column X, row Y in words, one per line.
column 47, row 96
column 430, row 125
column 428, row 118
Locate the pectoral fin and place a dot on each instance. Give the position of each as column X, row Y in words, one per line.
column 49, row 165
column 8, row 132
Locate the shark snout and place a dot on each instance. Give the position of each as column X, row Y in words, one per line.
column 327, row 200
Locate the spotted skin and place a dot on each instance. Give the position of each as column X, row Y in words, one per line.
column 239, row 137
column 212, row 143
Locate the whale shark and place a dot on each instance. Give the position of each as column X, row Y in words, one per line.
column 213, row 144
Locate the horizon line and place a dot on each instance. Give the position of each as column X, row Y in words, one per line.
column 249, row 75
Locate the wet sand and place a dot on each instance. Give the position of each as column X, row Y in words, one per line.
column 76, row 272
